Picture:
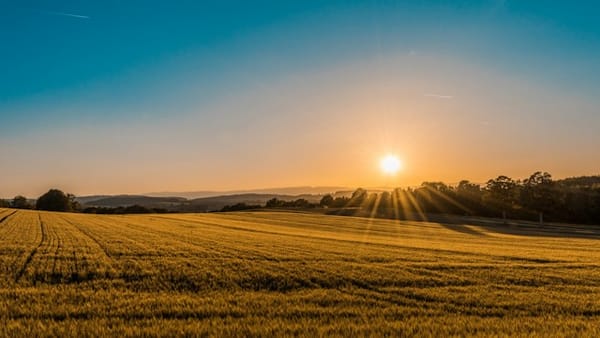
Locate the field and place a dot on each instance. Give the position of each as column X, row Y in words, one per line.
column 284, row 273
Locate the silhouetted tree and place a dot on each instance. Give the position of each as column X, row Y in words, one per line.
column 502, row 189
column 384, row 204
column 503, row 192
column 466, row 187
column 4, row 203
column 239, row 207
column 326, row 201
column 340, row 202
column 537, row 193
column 301, row 203
column 20, row 202
column 358, row 197
column 369, row 201
column 54, row 200
column 274, row 203
column 75, row 205
column 469, row 195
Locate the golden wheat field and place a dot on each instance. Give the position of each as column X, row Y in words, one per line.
column 284, row 273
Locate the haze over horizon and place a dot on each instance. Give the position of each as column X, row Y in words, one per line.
column 113, row 97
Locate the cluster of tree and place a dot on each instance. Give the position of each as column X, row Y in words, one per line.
column 534, row 198
column 56, row 200
column 339, row 202
column 53, row 200
column 240, row 207
column 299, row 203
column 18, row 202
column 132, row 209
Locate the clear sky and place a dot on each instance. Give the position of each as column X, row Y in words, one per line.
column 140, row 96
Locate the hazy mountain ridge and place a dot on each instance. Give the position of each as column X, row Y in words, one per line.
column 301, row 190
column 213, row 200
column 126, row 200
column 190, row 205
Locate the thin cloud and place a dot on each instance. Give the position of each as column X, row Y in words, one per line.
column 439, row 96
column 71, row 15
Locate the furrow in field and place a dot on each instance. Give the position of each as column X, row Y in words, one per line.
column 5, row 217
column 18, row 237
column 220, row 241
column 74, row 256
column 33, row 252
column 93, row 238
column 114, row 240
column 184, row 243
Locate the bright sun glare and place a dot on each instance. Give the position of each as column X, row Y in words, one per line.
column 390, row 164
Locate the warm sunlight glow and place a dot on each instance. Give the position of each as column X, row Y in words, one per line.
column 390, row 164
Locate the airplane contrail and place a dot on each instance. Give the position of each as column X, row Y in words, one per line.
column 439, row 96
column 69, row 15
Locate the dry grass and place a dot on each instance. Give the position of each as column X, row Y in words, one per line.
column 278, row 273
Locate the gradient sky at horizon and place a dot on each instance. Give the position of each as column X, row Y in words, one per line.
column 140, row 96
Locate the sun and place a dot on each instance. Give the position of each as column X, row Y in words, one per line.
column 390, row 164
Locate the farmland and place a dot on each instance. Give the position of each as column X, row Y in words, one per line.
column 285, row 273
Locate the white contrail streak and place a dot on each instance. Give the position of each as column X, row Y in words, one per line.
column 439, row 96
column 70, row 15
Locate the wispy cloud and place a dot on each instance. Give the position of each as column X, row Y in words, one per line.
column 71, row 15
column 437, row 96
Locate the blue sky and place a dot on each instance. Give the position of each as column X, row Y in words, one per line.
column 85, row 73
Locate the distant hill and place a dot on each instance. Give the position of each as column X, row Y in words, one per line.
column 188, row 205
column 127, row 200
column 92, row 198
column 218, row 202
column 294, row 191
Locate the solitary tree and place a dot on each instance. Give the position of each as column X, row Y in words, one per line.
column 54, row 200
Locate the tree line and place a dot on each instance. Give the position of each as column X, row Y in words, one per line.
column 56, row 200
column 53, row 200
column 537, row 197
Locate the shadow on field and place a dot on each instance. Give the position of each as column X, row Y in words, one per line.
column 463, row 228
column 469, row 224
column 546, row 230
column 515, row 227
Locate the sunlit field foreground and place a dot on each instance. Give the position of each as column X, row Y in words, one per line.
column 283, row 273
